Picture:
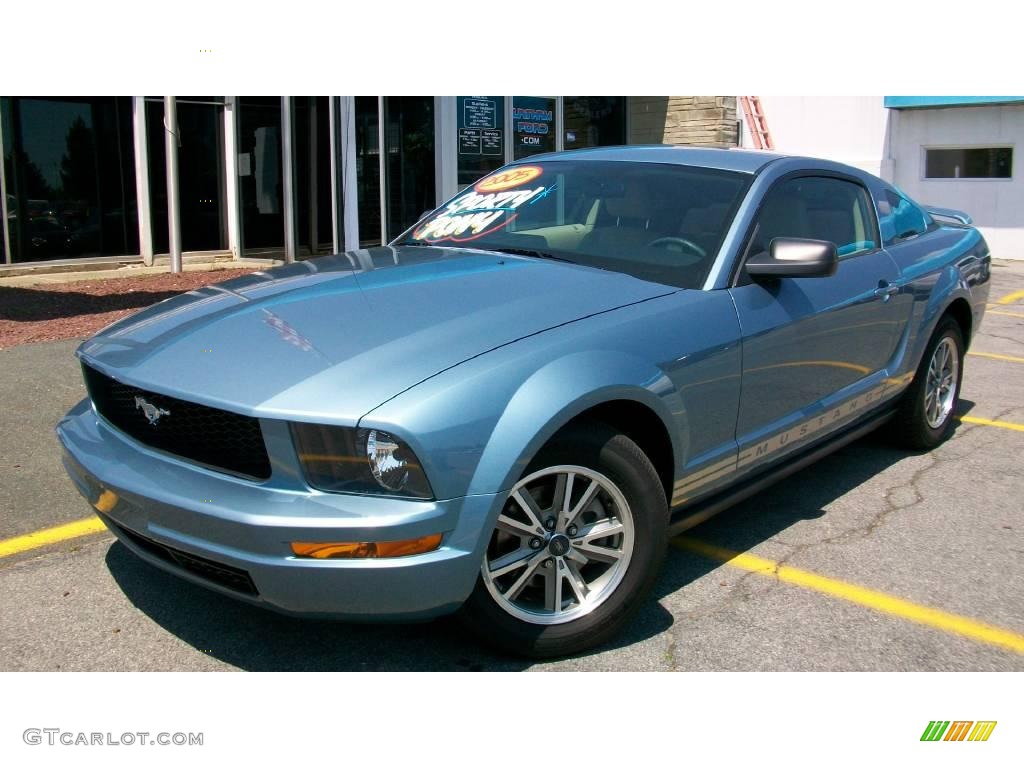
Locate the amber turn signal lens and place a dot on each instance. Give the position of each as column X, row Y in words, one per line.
column 361, row 549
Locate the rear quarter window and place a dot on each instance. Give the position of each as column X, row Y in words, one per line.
column 900, row 218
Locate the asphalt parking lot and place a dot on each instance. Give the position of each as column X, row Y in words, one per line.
column 872, row 559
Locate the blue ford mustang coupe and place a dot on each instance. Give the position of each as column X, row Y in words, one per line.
column 508, row 410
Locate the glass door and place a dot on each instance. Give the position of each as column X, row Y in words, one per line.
column 367, row 138
column 480, row 122
column 314, row 219
column 533, row 125
column 260, row 180
column 200, row 173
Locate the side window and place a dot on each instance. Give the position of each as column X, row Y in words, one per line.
column 900, row 219
column 817, row 208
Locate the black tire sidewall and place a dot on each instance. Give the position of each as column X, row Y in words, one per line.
column 911, row 422
column 601, row 448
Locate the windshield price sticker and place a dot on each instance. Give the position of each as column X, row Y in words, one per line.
column 515, row 177
column 490, row 205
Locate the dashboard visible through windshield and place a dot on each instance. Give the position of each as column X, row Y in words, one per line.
column 658, row 222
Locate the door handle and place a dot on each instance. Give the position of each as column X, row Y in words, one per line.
column 885, row 290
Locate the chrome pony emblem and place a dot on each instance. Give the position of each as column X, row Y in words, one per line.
column 150, row 411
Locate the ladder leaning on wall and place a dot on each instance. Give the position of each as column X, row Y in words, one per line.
column 756, row 122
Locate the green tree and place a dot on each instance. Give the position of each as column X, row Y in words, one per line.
column 78, row 165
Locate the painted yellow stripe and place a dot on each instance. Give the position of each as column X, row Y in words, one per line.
column 994, row 356
column 1005, row 314
column 48, row 536
column 870, row 598
column 1011, row 297
column 992, row 423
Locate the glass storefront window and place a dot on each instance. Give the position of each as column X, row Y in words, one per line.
column 594, row 121
column 409, row 160
column 69, row 169
column 481, row 136
column 313, row 175
column 533, row 125
column 260, row 180
column 368, row 170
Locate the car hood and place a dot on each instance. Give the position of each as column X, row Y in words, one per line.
column 329, row 339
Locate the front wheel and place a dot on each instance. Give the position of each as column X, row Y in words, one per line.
column 575, row 549
column 927, row 411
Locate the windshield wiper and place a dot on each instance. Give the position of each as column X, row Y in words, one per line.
column 533, row 253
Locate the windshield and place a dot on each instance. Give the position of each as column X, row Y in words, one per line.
column 662, row 223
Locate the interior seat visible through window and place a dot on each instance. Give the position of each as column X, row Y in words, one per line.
column 817, row 208
column 624, row 222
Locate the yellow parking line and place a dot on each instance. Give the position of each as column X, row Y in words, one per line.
column 1005, row 314
column 51, row 536
column 992, row 423
column 994, row 356
column 870, row 598
column 1011, row 297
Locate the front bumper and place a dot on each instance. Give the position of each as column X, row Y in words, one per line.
column 217, row 530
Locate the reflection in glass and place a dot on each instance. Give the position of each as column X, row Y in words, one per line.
column 200, row 174
column 69, row 173
column 410, row 160
column 260, row 183
column 313, row 175
column 594, row 121
column 969, row 163
column 368, row 170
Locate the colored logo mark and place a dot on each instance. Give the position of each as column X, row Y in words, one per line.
column 958, row 730
column 509, row 179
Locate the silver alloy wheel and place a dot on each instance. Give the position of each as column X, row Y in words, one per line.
column 561, row 545
column 940, row 386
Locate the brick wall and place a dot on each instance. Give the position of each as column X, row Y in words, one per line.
column 708, row 121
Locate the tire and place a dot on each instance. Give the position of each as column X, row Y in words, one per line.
column 918, row 423
column 620, row 570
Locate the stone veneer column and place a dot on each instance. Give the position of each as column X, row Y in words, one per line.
column 706, row 121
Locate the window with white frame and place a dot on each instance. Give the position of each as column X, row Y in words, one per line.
column 968, row 163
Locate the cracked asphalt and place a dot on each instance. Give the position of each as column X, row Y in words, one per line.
column 941, row 530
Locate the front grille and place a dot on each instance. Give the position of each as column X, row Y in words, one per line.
column 218, row 439
column 225, row 575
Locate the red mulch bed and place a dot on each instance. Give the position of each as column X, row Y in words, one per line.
column 79, row 309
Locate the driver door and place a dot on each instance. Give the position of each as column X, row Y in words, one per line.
column 810, row 343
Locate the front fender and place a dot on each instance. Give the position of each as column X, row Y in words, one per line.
column 558, row 392
column 477, row 425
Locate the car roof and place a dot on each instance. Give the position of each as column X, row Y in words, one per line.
column 743, row 161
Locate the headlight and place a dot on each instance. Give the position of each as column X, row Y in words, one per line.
column 347, row 460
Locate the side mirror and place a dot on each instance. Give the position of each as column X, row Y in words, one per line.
column 795, row 257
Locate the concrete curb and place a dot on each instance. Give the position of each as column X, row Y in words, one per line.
column 133, row 270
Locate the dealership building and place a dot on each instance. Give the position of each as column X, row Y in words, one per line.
column 85, row 178
column 287, row 177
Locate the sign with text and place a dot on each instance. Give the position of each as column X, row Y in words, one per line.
column 481, row 136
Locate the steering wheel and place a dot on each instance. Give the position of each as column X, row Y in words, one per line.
column 687, row 245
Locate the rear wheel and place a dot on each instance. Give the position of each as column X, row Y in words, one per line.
column 575, row 549
column 926, row 414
